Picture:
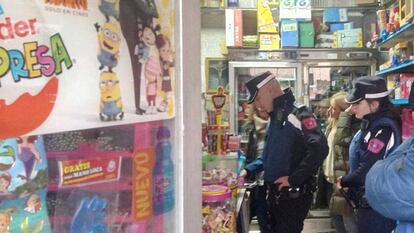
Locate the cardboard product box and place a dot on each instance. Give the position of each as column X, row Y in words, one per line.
column 333, row 27
column 251, row 41
column 303, row 10
column 406, row 11
column 406, row 81
column 348, row 38
column 229, row 13
column 248, row 3
column 269, row 41
column 335, row 15
column 366, row 2
column 306, row 35
column 324, row 40
column 267, row 16
column 295, row 9
column 234, row 28
column 289, row 33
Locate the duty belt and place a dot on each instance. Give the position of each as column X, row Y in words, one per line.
column 287, row 193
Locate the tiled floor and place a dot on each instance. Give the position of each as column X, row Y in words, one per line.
column 317, row 222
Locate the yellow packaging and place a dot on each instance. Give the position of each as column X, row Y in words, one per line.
column 350, row 38
column 267, row 16
column 269, row 41
column 406, row 11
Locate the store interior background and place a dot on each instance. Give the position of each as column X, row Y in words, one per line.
column 320, row 66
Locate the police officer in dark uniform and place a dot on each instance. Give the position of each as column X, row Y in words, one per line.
column 379, row 135
column 294, row 150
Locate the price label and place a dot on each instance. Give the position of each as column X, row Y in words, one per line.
column 289, row 27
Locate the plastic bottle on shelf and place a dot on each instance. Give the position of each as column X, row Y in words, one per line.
column 232, row 3
column 240, row 162
column 163, row 174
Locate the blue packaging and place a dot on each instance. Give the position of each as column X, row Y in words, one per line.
column 289, row 33
column 335, row 15
column 1, row 10
column 163, row 174
column 232, row 3
column 240, row 161
column 333, row 27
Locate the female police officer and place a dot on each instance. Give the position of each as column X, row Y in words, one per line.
column 294, row 150
column 379, row 135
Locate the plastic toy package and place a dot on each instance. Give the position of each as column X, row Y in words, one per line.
column 23, row 185
column 82, row 210
column 124, row 183
column 89, row 175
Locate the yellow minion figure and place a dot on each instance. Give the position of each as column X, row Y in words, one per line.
column 111, row 107
column 109, row 40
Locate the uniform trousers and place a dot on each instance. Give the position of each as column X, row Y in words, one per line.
column 288, row 215
column 370, row 221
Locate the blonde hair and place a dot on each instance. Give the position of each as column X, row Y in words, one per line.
column 339, row 100
column 6, row 215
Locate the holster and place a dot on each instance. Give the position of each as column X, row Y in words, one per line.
column 356, row 197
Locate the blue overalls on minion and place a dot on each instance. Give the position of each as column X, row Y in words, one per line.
column 107, row 59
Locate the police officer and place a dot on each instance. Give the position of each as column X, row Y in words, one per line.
column 294, row 150
column 379, row 135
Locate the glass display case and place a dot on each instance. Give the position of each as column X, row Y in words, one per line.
column 323, row 79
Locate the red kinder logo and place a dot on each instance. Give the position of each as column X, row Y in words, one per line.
column 21, row 28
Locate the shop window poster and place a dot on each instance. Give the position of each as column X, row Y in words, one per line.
column 71, row 65
column 23, row 185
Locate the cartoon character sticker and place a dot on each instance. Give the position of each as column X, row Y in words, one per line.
column 167, row 61
column 5, row 219
column 5, row 180
column 33, row 204
column 109, row 8
column 23, row 187
column 111, row 107
column 109, row 42
column 28, row 154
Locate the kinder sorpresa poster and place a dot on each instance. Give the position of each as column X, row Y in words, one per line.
column 69, row 65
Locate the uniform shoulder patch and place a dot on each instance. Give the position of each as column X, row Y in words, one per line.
column 375, row 145
column 309, row 123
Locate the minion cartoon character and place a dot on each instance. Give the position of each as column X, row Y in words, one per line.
column 109, row 41
column 111, row 107
column 110, row 8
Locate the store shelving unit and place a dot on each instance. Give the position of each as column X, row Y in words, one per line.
column 399, row 101
column 404, row 33
column 407, row 66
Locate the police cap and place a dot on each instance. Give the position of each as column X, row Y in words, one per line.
column 368, row 87
column 254, row 84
